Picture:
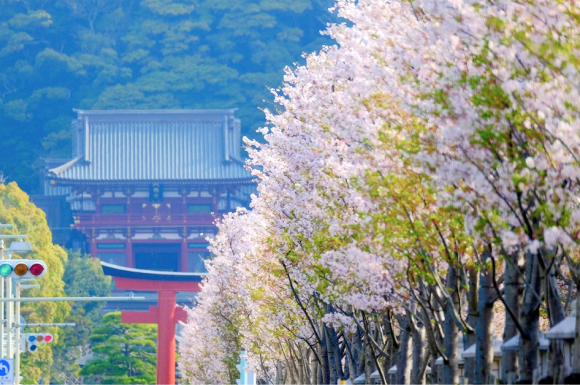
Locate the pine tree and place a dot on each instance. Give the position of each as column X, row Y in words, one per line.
column 124, row 353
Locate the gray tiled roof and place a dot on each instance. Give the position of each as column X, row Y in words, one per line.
column 154, row 145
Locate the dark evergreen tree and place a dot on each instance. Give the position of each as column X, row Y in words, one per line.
column 83, row 277
column 124, row 353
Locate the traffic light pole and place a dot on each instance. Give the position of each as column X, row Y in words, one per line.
column 10, row 296
column 9, row 318
column 17, row 337
column 17, row 327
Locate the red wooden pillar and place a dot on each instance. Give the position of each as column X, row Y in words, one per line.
column 93, row 247
column 183, row 260
column 165, row 315
column 166, row 338
column 129, row 248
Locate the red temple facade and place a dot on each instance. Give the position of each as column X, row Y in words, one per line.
column 144, row 187
column 141, row 192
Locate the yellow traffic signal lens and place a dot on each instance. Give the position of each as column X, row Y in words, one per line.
column 39, row 338
column 20, row 269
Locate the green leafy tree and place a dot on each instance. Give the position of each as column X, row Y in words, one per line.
column 83, row 277
column 16, row 209
column 124, row 353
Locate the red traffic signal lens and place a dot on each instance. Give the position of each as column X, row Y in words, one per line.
column 20, row 269
column 36, row 269
column 47, row 338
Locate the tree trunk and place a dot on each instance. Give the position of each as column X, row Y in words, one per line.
column 419, row 355
column 306, row 365
column 434, row 331
column 450, row 368
column 404, row 354
column 513, row 289
column 433, row 343
column 472, row 316
column 302, row 365
column 369, row 363
column 349, row 367
column 320, row 369
column 331, row 354
column 279, row 376
column 376, row 355
column 359, row 353
column 530, row 321
column 390, row 346
column 484, row 328
column 313, row 369
column 556, row 314
column 352, row 373
column 324, row 355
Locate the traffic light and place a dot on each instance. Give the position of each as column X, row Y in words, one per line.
column 34, row 339
column 22, row 268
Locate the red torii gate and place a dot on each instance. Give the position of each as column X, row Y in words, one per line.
column 165, row 314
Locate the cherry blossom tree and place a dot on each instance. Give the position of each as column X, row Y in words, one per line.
column 429, row 156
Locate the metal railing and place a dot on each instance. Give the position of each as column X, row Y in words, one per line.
column 160, row 217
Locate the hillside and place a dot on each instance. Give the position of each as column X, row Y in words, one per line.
column 115, row 54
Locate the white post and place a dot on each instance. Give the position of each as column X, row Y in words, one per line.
column 9, row 320
column 17, row 339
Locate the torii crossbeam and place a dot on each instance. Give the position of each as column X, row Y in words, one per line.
column 165, row 314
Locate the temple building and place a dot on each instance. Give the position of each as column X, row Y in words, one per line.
column 142, row 189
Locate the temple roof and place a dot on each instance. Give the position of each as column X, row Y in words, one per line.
column 154, row 145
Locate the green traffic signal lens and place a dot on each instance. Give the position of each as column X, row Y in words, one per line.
column 5, row 270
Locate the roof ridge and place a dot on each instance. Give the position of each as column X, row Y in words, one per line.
column 66, row 166
column 175, row 111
